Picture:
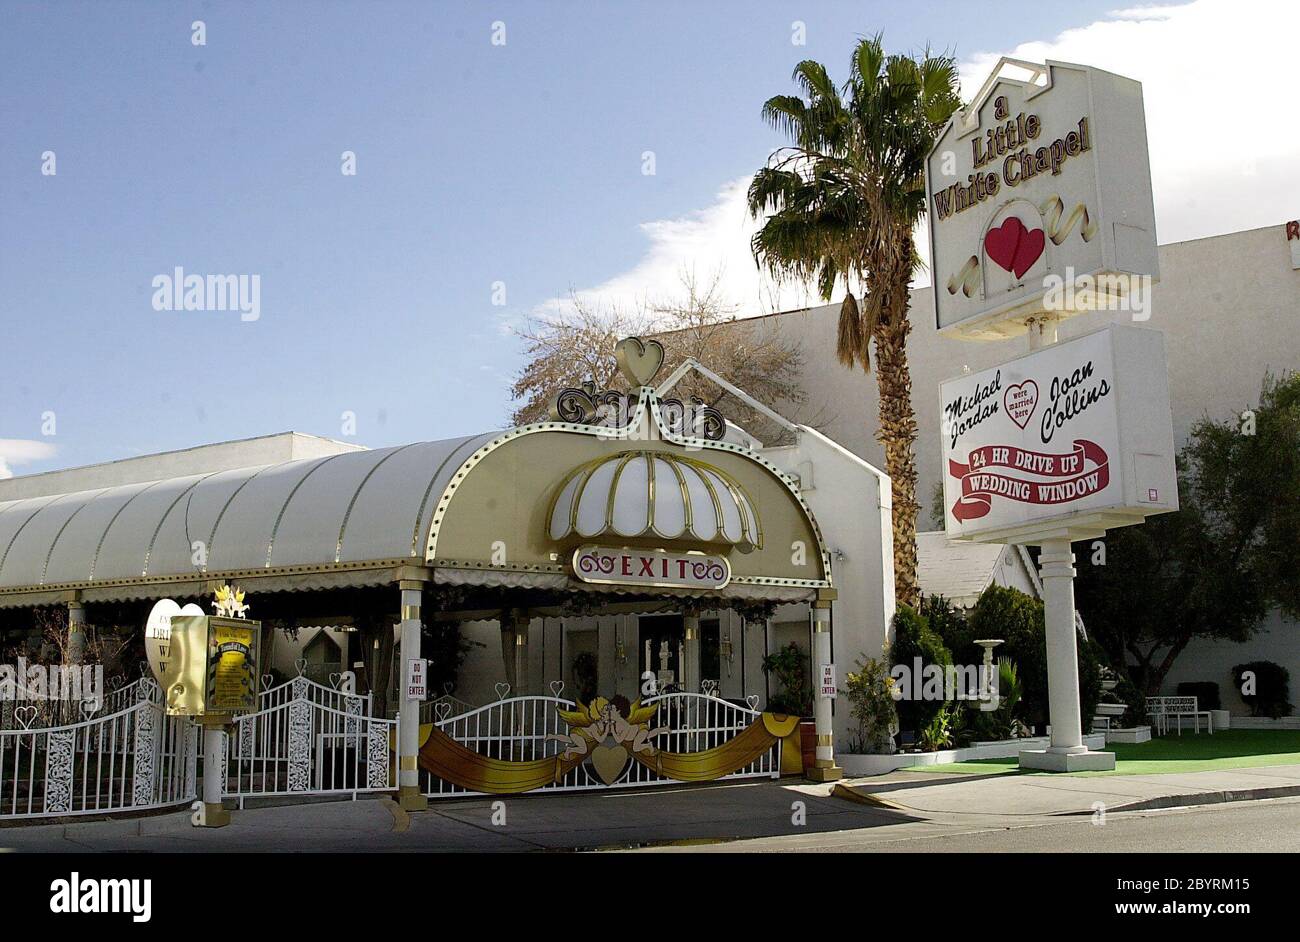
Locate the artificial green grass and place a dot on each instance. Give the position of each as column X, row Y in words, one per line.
column 1190, row 752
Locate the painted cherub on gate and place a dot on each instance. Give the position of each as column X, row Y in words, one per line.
column 591, row 724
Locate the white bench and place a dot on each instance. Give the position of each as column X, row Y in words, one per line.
column 1161, row 709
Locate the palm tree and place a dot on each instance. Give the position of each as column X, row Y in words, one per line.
column 841, row 204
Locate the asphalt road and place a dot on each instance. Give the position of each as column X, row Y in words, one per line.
column 1247, row 826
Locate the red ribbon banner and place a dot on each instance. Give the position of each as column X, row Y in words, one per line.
column 1074, row 479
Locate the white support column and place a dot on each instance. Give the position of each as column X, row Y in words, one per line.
column 1067, row 752
column 213, row 814
column 825, row 769
column 76, row 631
column 691, row 653
column 408, row 719
column 1056, row 566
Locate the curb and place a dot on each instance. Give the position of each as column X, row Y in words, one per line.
column 849, row 793
column 1198, row 798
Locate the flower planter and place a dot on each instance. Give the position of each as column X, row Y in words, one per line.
column 1222, row 719
column 1110, row 709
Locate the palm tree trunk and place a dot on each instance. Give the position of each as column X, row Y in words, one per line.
column 898, row 420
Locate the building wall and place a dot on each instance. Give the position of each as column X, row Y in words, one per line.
column 1278, row 640
column 202, row 459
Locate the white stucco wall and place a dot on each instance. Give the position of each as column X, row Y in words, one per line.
column 852, row 503
column 1278, row 640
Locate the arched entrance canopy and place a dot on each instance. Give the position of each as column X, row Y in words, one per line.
column 503, row 509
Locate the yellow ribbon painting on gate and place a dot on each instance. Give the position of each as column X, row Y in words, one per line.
column 607, row 734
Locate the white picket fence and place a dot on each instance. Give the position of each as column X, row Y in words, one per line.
column 131, row 760
column 520, row 729
column 309, row 739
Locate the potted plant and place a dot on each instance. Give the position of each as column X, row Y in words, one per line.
column 869, row 691
column 789, row 666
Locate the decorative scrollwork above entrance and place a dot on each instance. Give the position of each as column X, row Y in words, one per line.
column 584, row 405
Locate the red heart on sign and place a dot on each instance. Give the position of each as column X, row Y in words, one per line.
column 1020, row 401
column 1014, row 247
column 1002, row 241
column 1031, row 246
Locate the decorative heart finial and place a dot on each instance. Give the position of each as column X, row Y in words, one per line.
column 442, row 710
column 301, row 664
column 25, row 715
column 267, row 681
column 752, row 700
column 503, row 689
column 639, row 360
column 557, row 688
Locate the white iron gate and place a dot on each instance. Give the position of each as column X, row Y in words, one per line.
column 135, row 759
column 310, row 740
column 521, row 729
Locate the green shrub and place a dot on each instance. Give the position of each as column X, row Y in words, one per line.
column 1206, row 693
column 1272, row 690
column 938, row 733
column 1017, row 618
column 790, row 667
column 914, row 638
column 953, row 628
column 869, row 690
column 1136, row 714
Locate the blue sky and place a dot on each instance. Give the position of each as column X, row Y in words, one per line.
column 475, row 164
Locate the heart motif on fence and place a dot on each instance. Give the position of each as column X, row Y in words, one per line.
column 752, row 700
column 442, row 710
column 115, row 682
column 301, row 664
column 145, row 669
column 557, row 688
column 25, row 715
column 89, row 708
column 448, row 687
column 335, row 678
column 503, row 689
column 267, row 681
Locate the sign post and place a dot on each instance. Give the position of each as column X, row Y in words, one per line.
column 1040, row 209
column 207, row 667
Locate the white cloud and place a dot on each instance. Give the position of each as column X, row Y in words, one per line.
column 1217, row 80
column 714, row 239
column 15, row 451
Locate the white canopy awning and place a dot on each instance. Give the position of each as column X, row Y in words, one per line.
column 296, row 517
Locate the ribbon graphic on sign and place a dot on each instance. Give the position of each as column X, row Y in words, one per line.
column 1078, row 473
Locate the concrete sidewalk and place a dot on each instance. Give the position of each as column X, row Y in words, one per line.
column 569, row 821
column 904, row 809
column 1018, row 795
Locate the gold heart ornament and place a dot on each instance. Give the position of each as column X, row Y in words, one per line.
column 608, row 761
column 639, row 360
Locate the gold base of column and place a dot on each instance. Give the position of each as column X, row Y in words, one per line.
column 830, row 774
column 214, row 815
column 409, row 798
